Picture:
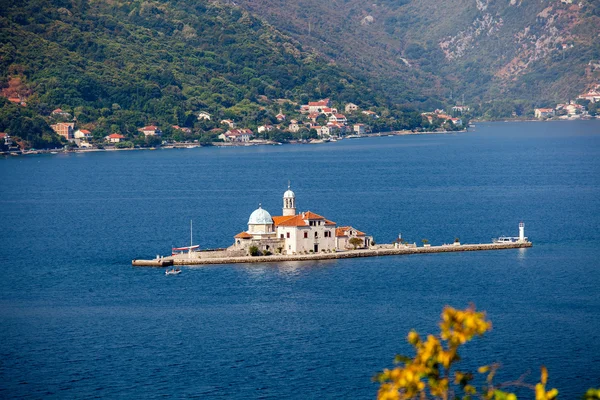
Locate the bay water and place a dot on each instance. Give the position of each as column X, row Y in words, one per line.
column 78, row 321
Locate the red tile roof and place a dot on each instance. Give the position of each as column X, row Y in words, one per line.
column 85, row 131
column 116, row 136
column 300, row 219
column 343, row 231
column 243, row 235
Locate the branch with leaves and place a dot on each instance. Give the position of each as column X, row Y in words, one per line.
column 430, row 373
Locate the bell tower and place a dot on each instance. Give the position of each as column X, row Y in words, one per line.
column 289, row 202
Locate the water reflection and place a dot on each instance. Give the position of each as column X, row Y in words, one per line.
column 286, row 269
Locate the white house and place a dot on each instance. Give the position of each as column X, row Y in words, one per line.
column 82, row 134
column 265, row 128
column 318, row 106
column 350, row 107
column 203, row 115
column 295, row 233
column 338, row 118
column 344, row 234
column 151, row 130
column 360, row 129
column 544, row 112
column 371, row 114
column 294, row 126
column 114, row 138
column 229, row 123
column 236, row 135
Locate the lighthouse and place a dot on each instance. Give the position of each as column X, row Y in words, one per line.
column 521, row 231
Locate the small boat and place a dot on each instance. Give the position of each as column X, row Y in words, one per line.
column 173, row 271
column 507, row 239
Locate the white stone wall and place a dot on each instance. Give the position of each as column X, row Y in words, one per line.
column 297, row 243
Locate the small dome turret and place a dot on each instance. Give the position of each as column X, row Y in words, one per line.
column 260, row 217
column 289, row 194
column 289, row 202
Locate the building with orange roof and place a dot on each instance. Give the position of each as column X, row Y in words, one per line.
column 64, row 129
column 344, row 234
column 295, row 233
column 114, row 138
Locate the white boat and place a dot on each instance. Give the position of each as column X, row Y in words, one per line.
column 507, row 239
column 173, row 271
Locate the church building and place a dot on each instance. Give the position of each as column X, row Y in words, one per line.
column 296, row 233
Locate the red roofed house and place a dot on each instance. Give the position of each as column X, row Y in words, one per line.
column 64, row 129
column 294, row 126
column 318, row 106
column 343, row 234
column 544, row 112
column 229, row 123
column 280, row 117
column 237, row 135
column 293, row 233
column 114, row 138
column 5, row 137
column 313, row 116
column 60, row 112
column 360, row 129
column 179, row 128
column 456, row 121
column 83, row 134
column 338, row 118
column 371, row 114
column 151, row 130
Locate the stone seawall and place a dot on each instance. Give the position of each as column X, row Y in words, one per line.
column 161, row 262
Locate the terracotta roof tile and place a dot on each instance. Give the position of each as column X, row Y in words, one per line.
column 243, row 235
column 343, row 231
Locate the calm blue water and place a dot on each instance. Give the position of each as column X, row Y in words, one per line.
column 78, row 321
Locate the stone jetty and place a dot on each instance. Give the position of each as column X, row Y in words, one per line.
column 195, row 258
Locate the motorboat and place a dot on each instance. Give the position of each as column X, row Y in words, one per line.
column 173, row 271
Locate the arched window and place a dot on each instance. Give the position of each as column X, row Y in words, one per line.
column 316, row 235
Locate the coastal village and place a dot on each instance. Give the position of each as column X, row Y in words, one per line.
column 315, row 122
column 573, row 109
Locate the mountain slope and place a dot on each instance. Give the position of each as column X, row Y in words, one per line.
column 122, row 64
column 483, row 49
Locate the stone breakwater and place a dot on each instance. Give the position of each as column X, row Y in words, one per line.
column 184, row 259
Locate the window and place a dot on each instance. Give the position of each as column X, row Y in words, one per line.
column 281, row 236
column 305, row 235
column 287, row 235
column 316, row 235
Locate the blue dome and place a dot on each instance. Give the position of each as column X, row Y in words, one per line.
column 260, row 217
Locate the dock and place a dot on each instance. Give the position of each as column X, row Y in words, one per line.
column 376, row 251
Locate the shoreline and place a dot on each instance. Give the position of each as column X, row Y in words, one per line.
column 384, row 250
column 186, row 145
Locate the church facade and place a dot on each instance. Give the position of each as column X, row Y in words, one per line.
column 296, row 233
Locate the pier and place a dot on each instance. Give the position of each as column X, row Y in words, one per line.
column 376, row 251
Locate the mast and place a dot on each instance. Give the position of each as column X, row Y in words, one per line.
column 191, row 240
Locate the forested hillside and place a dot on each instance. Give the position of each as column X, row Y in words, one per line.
column 119, row 65
column 535, row 52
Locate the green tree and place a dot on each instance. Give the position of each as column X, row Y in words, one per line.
column 356, row 242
